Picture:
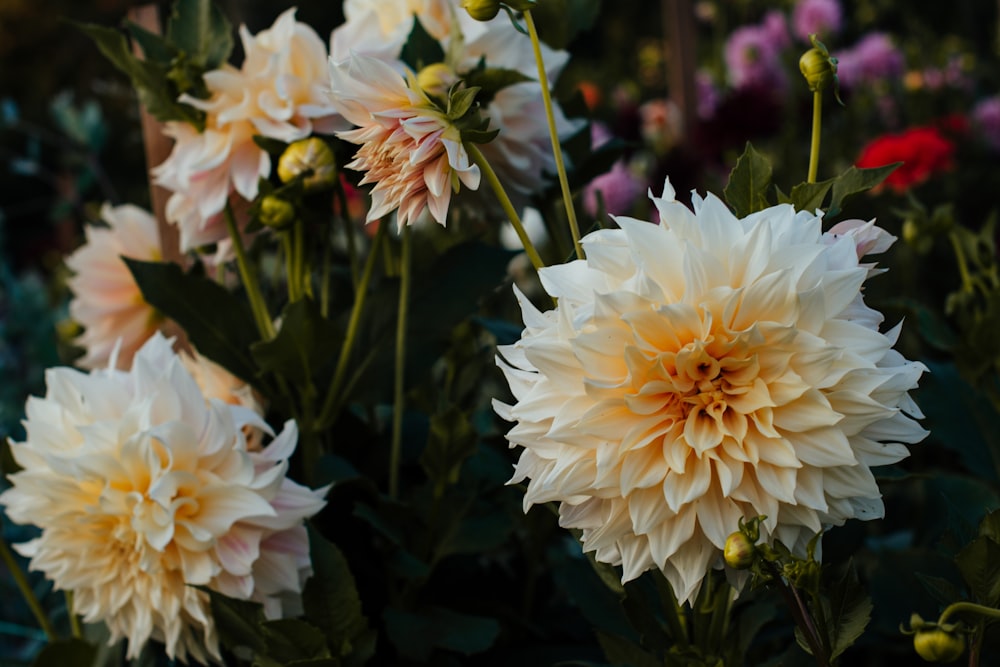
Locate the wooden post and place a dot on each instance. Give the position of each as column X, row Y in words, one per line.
column 681, row 59
column 157, row 145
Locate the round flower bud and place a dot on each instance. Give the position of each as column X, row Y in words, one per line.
column 739, row 551
column 818, row 68
column 938, row 644
column 275, row 212
column 312, row 154
column 436, row 79
column 482, row 10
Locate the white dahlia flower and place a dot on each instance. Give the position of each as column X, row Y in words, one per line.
column 143, row 489
column 704, row 369
column 106, row 300
column 521, row 154
column 280, row 92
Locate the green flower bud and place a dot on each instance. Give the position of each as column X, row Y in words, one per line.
column 437, row 79
column 819, row 69
column 309, row 155
column 939, row 643
column 275, row 212
column 482, row 10
column 739, row 551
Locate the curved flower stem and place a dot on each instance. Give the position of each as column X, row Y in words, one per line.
column 508, row 208
column 290, row 271
column 816, row 126
column 257, row 305
column 74, row 620
column 326, row 413
column 26, row 592
column 398, row 396
column 968, row 608
column 543, row 80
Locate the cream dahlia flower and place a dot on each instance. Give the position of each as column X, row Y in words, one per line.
column 278, row 92
column 409, row 149
column 704, row 369
column 521, row 154
column 143, row 490
column 106, row 300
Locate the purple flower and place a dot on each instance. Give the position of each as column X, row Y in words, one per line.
column 873, row 58
column 707, row 94
column 819, row 17
column 776, row 27
column 752, row 58
column 986, row 117
column 619, row 188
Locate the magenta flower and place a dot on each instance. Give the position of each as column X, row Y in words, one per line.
column 816, row 17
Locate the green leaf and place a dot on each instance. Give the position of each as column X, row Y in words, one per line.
column 856, row 180
column 8, row 466
column 979, row 564
column 942, row 590
column 990, row 526
column 416, row 635
column 809, row 196
column 64, row 652
column 932, row 326
column 303, row 345
column 238, row 621
column 491, row 80
column 331, row 600
column 850, row 612
column 620, row 652
column 420, row 49
column 156, row 92
column 560, row 21
column 451, row 440
column 154, row 46
column 749, row 180
column 218, row 323
column 202, row 31
column 290, row 639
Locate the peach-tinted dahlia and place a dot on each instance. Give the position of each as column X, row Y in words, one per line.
column 106, row 299
column 143, row 489
column 409, row 149
column 704, row 369
column 278, row 92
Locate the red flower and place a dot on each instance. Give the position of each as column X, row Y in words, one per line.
column 924, row 151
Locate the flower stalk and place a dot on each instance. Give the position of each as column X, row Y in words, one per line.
column 264, row 324
column 398, row 399
column 29, row 595
column 543, row 80
column 817, row 123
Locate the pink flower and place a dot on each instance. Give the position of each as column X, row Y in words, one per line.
column 752, row 59
column 106, row 299
column 986, row 117
column 409, row 149
column 873, row 58
column 819, row 17
column 619, row 188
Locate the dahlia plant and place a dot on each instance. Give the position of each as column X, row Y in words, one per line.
column 407, row 394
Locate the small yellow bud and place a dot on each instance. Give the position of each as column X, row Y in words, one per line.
column 938, row 644
column 739, row 551
column 818, row 68
column 312, row 154
column 436, row 79
column 482, row 10
column 275, row 212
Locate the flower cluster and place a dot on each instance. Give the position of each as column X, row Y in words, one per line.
column 144, row 488
column 702, row 370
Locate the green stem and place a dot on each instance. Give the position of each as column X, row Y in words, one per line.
column 286, row 246
column 543, row 80
column 968, row 608
column 720, row 616
column 257, row 305
column 74, row 620
column 800, row 613
column 303, row 284
column 349, row 233
column 327, row 412
column 673, row 613
column 968, row 285
column 324, row 281
column 29, row 595
column 508, row 208
column 816, row 126
column 398, row 396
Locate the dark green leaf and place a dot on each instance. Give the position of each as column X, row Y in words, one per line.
column 620, row 652
column 451, row 440
column 990, row 526
column 218, row 323
column 491, row 80
column 559, row 21
column 850, row 611
column 477, row 534
column 303, row 345
column 856, row 180
column 8, row 466
column 401, row 561
column 461, row 101
column 270, row 145
column 598, row 603
column 640, row 605
column 290, row 639
column 154, row 46
column 416, row 635
column 202, row 31
column 64, row 652
column 420, row 49
column 749, row 181
column 809, row 196
column 942, row 590
column 331, row 598
column 238, row 621
column 979, row 564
